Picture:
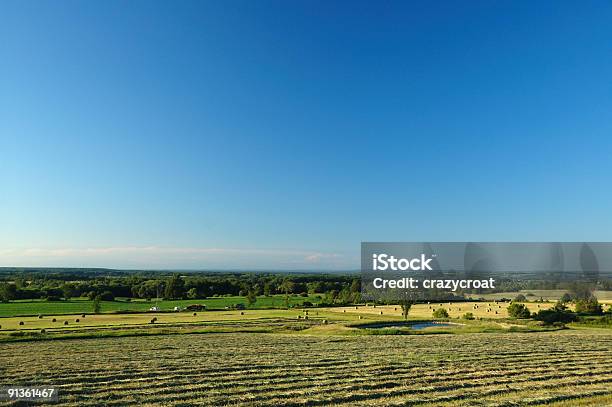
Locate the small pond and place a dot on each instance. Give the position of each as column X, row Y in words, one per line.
column 409, row 324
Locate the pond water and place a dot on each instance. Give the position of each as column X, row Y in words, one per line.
column 412, row 325
column 423, row 325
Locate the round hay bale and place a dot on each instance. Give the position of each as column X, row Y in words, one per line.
column 21, row 323
column 54, row 320
column 325, row 321
column 40, row 316
column 356, row 308
column 395, row 309
column 152, row 321
column 77, row 320
column 241, row 313
column 83, row 316
column 380, row 312
column 195, row 314
column 343, row 310
column 299, row 317
column 65, row 322
column 306, row 317
column 42, row 331
column 360, row 317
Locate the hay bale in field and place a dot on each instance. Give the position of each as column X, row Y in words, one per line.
column 152, row 321
column 241, row 312
column 40, row 316
column 299, row 317
column 21, row 323
column 360, row 317
column 77, row 320
column 395, row 309
column 195, row 314
column 380, row 312
column 496, row 312
column 306, row 317
column 42, row 331
column 325, row 321
column 65, row 322
column 54, row 320
column 356, row 308
column 343, row 310
column 83, row 316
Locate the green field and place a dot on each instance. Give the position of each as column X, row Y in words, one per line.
column 570, row 368
column 81, row 305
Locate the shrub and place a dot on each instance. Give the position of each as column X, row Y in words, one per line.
column 517, row 310
column 555, row 315
column 468, row 316
column 440, row 313
column 589, row 306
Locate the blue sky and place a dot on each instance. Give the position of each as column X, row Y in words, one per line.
column 279, row 135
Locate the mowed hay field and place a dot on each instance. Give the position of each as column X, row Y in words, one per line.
column 569, row 367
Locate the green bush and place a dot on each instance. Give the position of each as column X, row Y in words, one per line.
column 589, row 306
column 517, row 310
column 555, row 315
column 440, row 313
column 468, row 316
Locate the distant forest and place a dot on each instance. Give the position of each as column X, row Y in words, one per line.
column 55, row 284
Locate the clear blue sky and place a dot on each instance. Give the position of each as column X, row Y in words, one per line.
column 258, row 134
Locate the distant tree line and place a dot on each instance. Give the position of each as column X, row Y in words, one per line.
column 56, row 286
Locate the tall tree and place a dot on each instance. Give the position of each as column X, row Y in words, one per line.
column 175, row 287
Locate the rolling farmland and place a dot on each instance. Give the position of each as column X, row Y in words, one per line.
column 275, row 369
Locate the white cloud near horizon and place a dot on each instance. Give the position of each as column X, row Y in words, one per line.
column 156, row 257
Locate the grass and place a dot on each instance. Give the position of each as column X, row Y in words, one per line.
column 82, row 305
column 548, row 368
column 262, row 357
